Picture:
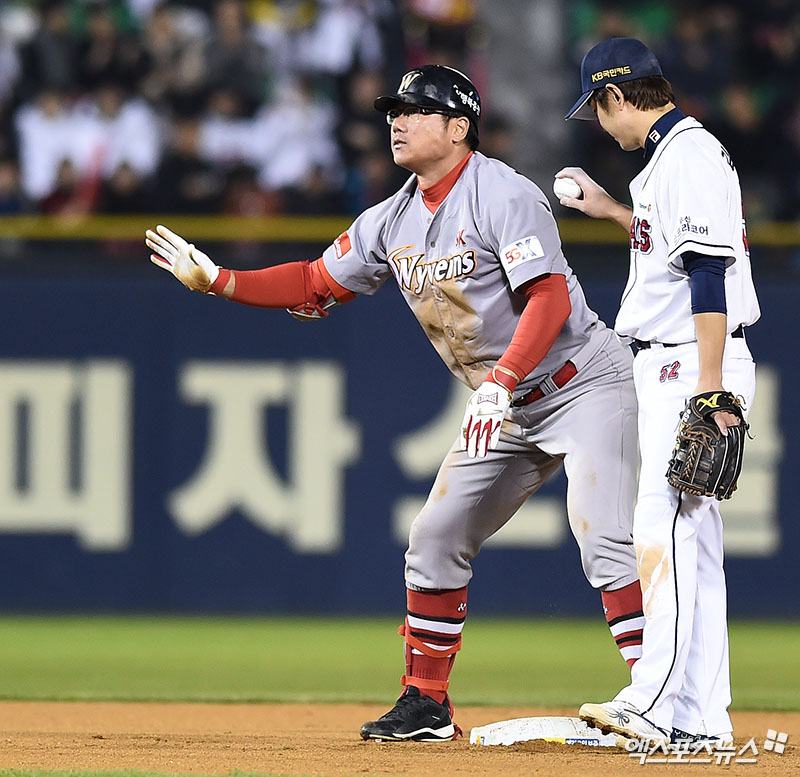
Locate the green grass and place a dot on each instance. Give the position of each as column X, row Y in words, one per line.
column 543, row 662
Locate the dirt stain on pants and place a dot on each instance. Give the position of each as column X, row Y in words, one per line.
column 654, row 570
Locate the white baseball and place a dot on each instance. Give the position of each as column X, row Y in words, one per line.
column 567, row 187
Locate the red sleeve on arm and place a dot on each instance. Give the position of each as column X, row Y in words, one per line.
column 324, row 280
column 547, row 310
column 291, row 285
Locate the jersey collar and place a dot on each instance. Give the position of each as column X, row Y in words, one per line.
column 434, row 195
column 659, row 131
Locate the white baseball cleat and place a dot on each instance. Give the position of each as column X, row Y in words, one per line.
column 619, row 717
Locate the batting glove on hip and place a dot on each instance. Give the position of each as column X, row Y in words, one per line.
column 188, row 264
column 486, row 408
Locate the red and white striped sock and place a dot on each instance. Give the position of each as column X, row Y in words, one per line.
column 623, row 609
column 432, row 630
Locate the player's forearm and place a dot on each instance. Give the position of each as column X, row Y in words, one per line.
column 620, row 214
column 709, row 308
column 283, row 286
column 711, row 331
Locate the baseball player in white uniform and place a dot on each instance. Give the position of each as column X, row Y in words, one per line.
column 475, row 251
column 688, row 300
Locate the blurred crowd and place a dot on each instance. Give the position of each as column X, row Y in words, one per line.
column 265, row 106
column 735, row 66
column 199, row 106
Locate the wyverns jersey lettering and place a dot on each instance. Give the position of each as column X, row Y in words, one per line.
column 695, row 184
column 458, row 269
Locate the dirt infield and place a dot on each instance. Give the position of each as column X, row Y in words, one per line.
column 319, row 739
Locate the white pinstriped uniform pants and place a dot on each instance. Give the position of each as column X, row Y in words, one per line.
column 683, row 677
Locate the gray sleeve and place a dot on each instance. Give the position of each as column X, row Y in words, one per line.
column 525, row 234
column 357, row 258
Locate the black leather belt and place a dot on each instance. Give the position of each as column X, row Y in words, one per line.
column 644, row 344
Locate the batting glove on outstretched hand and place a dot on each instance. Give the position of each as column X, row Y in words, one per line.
column 486, row 408
column 188, row 264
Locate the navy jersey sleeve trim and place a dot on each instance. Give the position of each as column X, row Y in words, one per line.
column 707, row 282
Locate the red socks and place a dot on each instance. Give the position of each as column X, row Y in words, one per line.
column 432, row 633
column 623, row 609
column 435, row 619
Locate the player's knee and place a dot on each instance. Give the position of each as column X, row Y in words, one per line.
column 427, row 570
column 436, row 528
column 435, row 558
column 609, row 566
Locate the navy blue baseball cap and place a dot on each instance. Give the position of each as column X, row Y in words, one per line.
column 611, row 62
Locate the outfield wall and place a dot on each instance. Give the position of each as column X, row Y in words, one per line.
column 162, row 451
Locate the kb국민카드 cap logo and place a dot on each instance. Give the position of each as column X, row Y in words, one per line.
column 611, row 62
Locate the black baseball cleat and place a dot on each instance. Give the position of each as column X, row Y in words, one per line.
column 415, row 718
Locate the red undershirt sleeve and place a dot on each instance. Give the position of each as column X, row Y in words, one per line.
column 303, row 284
column 545, row 314
column 291, row 285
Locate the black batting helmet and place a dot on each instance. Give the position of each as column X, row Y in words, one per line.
column 439, row 87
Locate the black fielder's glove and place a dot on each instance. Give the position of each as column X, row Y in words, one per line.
column 706, row 462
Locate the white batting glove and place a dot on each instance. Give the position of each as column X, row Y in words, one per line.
column 486, row 408
column 188, row 264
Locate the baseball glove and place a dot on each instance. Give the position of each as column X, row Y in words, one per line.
column 706, row 462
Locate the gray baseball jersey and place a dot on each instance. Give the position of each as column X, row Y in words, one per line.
column 458, row 269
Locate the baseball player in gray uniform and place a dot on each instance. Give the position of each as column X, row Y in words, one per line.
column 475, row 251
column 688, row 300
